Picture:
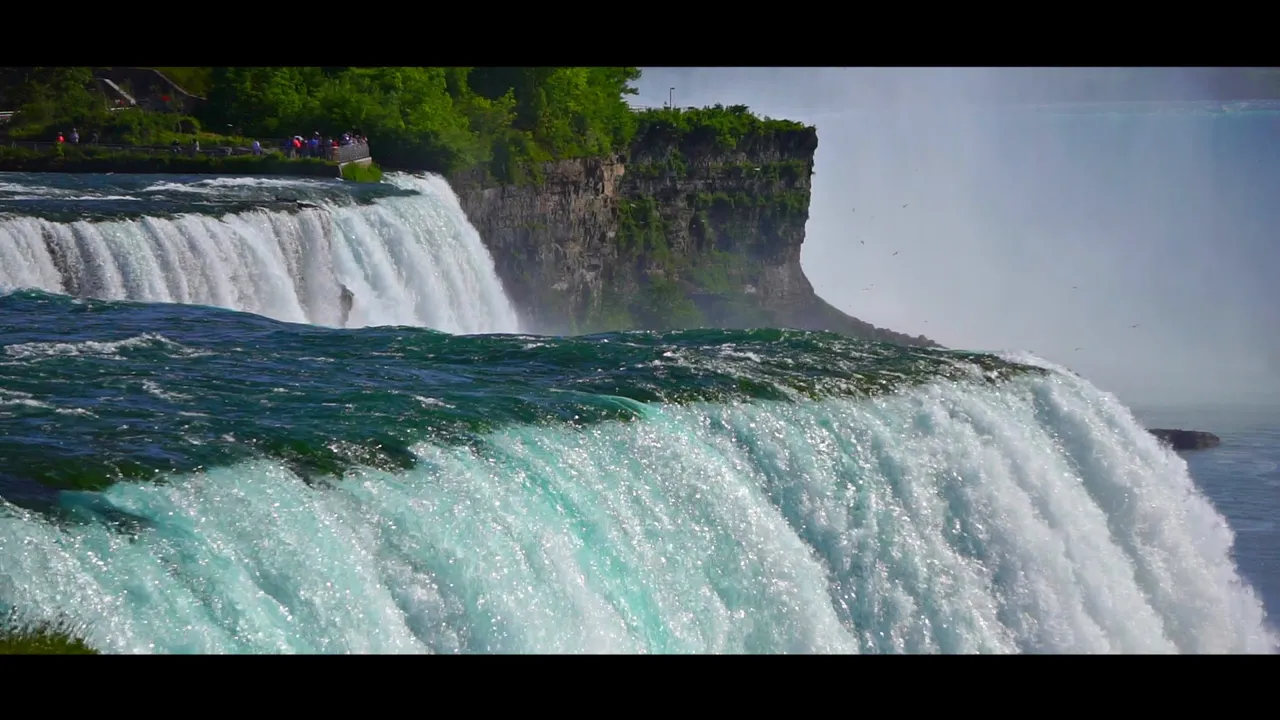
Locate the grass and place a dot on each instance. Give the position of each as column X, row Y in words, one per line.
column 89, row 159
column 42, row 641
column 133, row 126
column 195, row 80
column 370, row 173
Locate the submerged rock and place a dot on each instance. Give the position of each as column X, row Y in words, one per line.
column 1186, row 439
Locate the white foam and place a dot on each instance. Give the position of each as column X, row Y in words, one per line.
column 1039, row 517
column 407, row 260
column 39, row 350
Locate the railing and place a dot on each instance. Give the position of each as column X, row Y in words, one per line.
column 349, row 153
column 341, row 154
column 140, row 149
column 656, row 107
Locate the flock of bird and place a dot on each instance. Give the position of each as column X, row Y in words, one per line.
column 926, row 322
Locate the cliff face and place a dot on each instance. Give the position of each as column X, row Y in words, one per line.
column 553, row 242
column 683, row 232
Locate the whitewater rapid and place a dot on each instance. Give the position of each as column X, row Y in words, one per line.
column 1036, row 516
column 413, row 260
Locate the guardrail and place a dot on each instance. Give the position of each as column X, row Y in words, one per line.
column 341, row 154
column 660, row 107
column 140, row 149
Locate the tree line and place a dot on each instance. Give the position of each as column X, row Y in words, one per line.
column 418, row 118
column 503, row 119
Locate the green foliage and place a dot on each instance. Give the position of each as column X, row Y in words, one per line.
column 708, row 129
column 717, row 272
column 89, row 159
column 567, row 111
column 48, row 640
column 663, row 304
column 195, row 80
column 431, row 118
column 673, row 165
column 53, row 100
column 355, row 172
column 42, row 96
column 721, row 204
column 138, row 127
column 125, row 127
column 417, row 118
column 670, row 282
column 641, row 229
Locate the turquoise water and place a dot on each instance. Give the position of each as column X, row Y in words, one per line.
column 189, row 479
column 201, row 453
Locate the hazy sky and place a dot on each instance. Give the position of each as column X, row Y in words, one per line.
column 1036, row 230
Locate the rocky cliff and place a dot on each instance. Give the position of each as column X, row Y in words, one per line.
column 685, row 230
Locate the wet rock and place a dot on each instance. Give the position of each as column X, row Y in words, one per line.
column 1186, row 439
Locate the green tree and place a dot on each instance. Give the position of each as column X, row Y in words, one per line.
column 43, row 96
column 419, row 118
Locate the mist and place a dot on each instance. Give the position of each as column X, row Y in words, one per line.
column 1050, row 229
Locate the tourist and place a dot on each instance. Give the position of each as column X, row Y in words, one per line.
column 61, row 139
column 75, row 136
column 257, row 148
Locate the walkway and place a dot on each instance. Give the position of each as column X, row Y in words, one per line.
column 341, row 154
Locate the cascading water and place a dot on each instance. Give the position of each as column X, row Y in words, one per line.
column 409, row 259
column 179, row 478
column 397, row 490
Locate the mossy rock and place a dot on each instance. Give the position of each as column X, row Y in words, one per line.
column 42, row 642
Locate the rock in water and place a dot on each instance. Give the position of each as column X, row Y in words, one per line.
column 1186, row 439
column 345, row 300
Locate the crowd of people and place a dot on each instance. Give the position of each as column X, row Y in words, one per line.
column 73, row 137
column 295, row 147
column 317, row 146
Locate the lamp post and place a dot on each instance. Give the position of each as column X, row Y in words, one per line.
column 671, row 98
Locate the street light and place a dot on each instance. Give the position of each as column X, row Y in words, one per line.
column 670, row 98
